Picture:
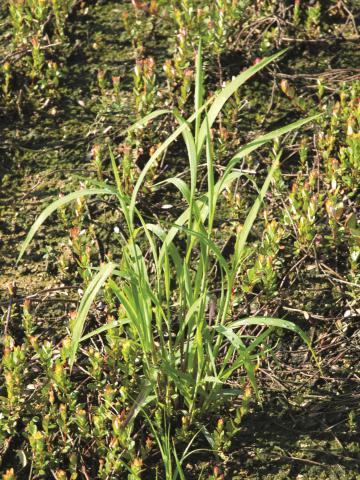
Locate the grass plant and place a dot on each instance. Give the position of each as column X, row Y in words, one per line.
column 175, row 285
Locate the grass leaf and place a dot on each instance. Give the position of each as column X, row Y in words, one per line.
column 222, row 97
column 55, row 206
column 89, row 296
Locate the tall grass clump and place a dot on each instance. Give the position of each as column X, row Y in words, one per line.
column 176, row 296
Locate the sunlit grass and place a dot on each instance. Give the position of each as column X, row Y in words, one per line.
column 187, row 353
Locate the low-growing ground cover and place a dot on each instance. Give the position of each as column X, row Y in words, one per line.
column 115, row 413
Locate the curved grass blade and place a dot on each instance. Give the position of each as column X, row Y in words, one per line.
column 236, row 341
column 209, row 243
column 89, row 296
column 104, row 328
column 140, row 123
column 262, row 140
column 158, row 152
column 53, row 207
column 222, row 97
column 274, row 322
column 181, row 186
column 251, row 217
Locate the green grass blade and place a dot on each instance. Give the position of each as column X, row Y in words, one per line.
column 89, row 296
column 180, row 221
column 181, row 186
column 53, row 207
column 179, row 469
column 170, row 248
column 279, row 323
column 123, row 200
column 210, row 174
column 144, row 398
column 158, row 152
column 143, row 121
column 104, row 328
column 191, row 151
column 209, row 243
column 185, row 324
column 236, row 341
column 251, row 217
column 262, row 140
column 199, row 90
column 227, row 91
